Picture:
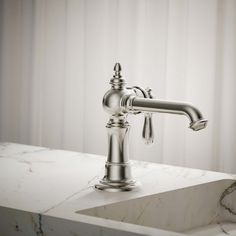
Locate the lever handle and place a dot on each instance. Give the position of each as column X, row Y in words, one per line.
column 148, row 134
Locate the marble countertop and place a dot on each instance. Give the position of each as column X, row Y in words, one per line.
column 52, row 185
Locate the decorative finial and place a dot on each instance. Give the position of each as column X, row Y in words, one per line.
column 117, row 80
column 117, row 69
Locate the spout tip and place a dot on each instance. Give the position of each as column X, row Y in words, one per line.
column 198, row 125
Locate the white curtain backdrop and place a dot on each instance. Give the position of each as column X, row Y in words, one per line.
column 57, row 57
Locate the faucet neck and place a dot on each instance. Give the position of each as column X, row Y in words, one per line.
column 117, row 169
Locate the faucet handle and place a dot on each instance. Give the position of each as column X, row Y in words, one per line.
column 148, row 134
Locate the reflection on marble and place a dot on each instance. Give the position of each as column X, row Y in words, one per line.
column 42, row 189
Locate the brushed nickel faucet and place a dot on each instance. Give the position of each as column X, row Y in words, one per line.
column 119, row 101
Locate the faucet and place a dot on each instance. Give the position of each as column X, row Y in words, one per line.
column 119, row 101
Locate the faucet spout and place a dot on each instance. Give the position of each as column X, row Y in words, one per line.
column 197, row 122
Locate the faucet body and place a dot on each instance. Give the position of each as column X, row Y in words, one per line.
column 119, row 101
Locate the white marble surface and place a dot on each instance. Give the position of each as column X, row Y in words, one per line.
column 42, row 190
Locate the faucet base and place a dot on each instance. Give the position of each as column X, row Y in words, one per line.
column 110, row 186
column 117, row 178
